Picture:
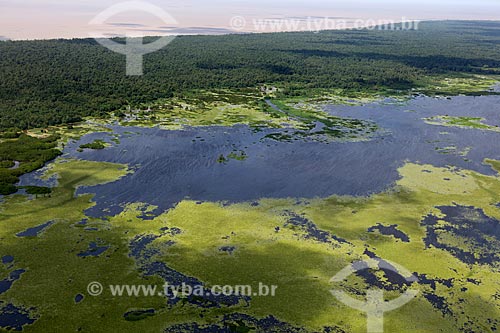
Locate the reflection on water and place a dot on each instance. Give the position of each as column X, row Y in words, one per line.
column 173, row 165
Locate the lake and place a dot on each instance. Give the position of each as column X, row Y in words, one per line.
column 170, row 166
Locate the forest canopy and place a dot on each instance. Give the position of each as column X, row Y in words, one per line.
column 50, row 82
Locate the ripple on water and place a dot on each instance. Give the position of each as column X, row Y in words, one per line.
column 171, row 167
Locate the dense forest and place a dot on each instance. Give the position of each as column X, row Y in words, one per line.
column 59, row 81
column 30, row 153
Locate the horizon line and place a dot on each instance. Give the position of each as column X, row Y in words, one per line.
column 235, row 32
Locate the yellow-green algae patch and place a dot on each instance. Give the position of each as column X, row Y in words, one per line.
column 204, row 108
column 266, row 247
column 463, row 84
column 461, row 122
column 302, row 266
column 448, row 180
column 54, row 272
column 72, row 132
column 73, row 173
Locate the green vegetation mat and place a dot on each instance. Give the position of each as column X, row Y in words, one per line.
column 297, row 246
column 462, row 122
column 29, row 152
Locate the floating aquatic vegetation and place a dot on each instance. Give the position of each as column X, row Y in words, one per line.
column 311, row 230
column 137, row 315
column 319, row 126
column 283, row 240
column 238, row 322
column 461, row 122
column 465, row 232
column 144, row 253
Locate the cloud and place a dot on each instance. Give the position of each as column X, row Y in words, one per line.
column 192, row 30
column 307, row 18
column 3, row 38
column 132, row 25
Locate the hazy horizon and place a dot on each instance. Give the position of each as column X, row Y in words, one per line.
column 43, row 19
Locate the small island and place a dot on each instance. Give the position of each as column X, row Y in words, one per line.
column 96, row 145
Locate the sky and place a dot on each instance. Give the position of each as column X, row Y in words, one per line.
column 43, row 19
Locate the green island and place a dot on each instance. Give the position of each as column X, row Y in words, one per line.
column 463, row 122
column 96, row 145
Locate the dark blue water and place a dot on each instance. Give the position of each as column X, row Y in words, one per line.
column 14, row 318
column 173, row 165
column 94, row 250
column 79, row 298
column 35, row 231
column 7, row 283
column 7, row 259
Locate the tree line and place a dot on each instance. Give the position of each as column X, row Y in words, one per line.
column 50, row 82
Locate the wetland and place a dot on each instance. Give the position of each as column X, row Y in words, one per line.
column 281, row 200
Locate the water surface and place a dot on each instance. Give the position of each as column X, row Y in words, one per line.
column 174, row 165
